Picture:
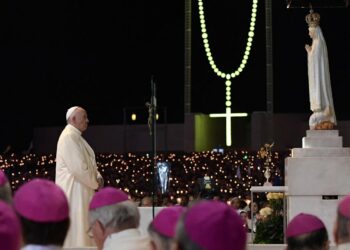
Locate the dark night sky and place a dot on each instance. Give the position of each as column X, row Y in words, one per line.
column 56, row 54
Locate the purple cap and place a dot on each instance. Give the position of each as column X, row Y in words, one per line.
column 10, row 229
column 165, row 221
column 41, row 200
column 344, row 206
column 107, row 196
column 3, row 178
column 214, row 225
column 302, row 224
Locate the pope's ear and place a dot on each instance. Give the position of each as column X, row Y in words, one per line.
column 73, row 119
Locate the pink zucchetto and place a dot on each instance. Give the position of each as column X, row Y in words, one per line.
column 3, row 178
column 165, row 221
column 303, row 224
column 70, row 112
column 107, row 196
column 41, row 200
column 10, row 229
column 214, row 225
column 344, row 206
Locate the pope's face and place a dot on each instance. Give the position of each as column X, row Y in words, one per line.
column 81, row 120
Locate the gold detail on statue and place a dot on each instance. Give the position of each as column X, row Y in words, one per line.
column 313, row 19
column 326, row 125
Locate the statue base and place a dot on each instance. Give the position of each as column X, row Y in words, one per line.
column 327, row 125
column 317, row 176
column 267, row 184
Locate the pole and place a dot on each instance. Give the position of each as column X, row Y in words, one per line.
column 188, row 60
column 152, row 112
column 269, row 70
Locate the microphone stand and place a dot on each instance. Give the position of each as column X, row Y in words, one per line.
column 152, row 112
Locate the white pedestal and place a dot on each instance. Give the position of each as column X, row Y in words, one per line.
column 317, row 176
column 146, row 216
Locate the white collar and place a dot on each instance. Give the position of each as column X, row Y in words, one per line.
column 74, row 129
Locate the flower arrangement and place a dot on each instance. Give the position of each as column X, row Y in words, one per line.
column 274, row 196
column 269, row 227
column 265, row 212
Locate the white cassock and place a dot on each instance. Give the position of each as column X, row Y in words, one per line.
column 321, row 99
column 76, row 174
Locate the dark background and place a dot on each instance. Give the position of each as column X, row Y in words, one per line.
column 101, row 55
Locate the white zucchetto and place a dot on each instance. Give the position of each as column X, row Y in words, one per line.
column 70, row 112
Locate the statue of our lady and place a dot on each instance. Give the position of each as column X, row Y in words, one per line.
column 320, row 91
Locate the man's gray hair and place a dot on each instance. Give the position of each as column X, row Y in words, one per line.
column 184, row 242
column 121, row 216
column 165, row 241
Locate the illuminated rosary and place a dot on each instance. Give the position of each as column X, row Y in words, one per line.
column 228, row 76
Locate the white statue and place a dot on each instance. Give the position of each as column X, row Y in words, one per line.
column 320, row 91
column 163, row 175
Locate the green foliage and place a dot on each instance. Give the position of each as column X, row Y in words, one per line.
column 269, row 230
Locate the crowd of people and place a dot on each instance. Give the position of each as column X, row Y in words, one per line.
column 81, row 207
column 78, row 199
column 38, row 216
column 232, row 173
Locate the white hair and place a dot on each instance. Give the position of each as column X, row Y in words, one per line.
column 120, row 216
column 155, row 236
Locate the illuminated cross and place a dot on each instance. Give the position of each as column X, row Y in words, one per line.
column 228, row 116
column 233, row 74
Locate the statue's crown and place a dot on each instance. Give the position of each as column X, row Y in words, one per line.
column 313, row 19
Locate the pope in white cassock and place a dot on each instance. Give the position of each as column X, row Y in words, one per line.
column 77, row 175
column 320, row 91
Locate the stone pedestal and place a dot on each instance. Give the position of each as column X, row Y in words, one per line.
column 317, row 176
